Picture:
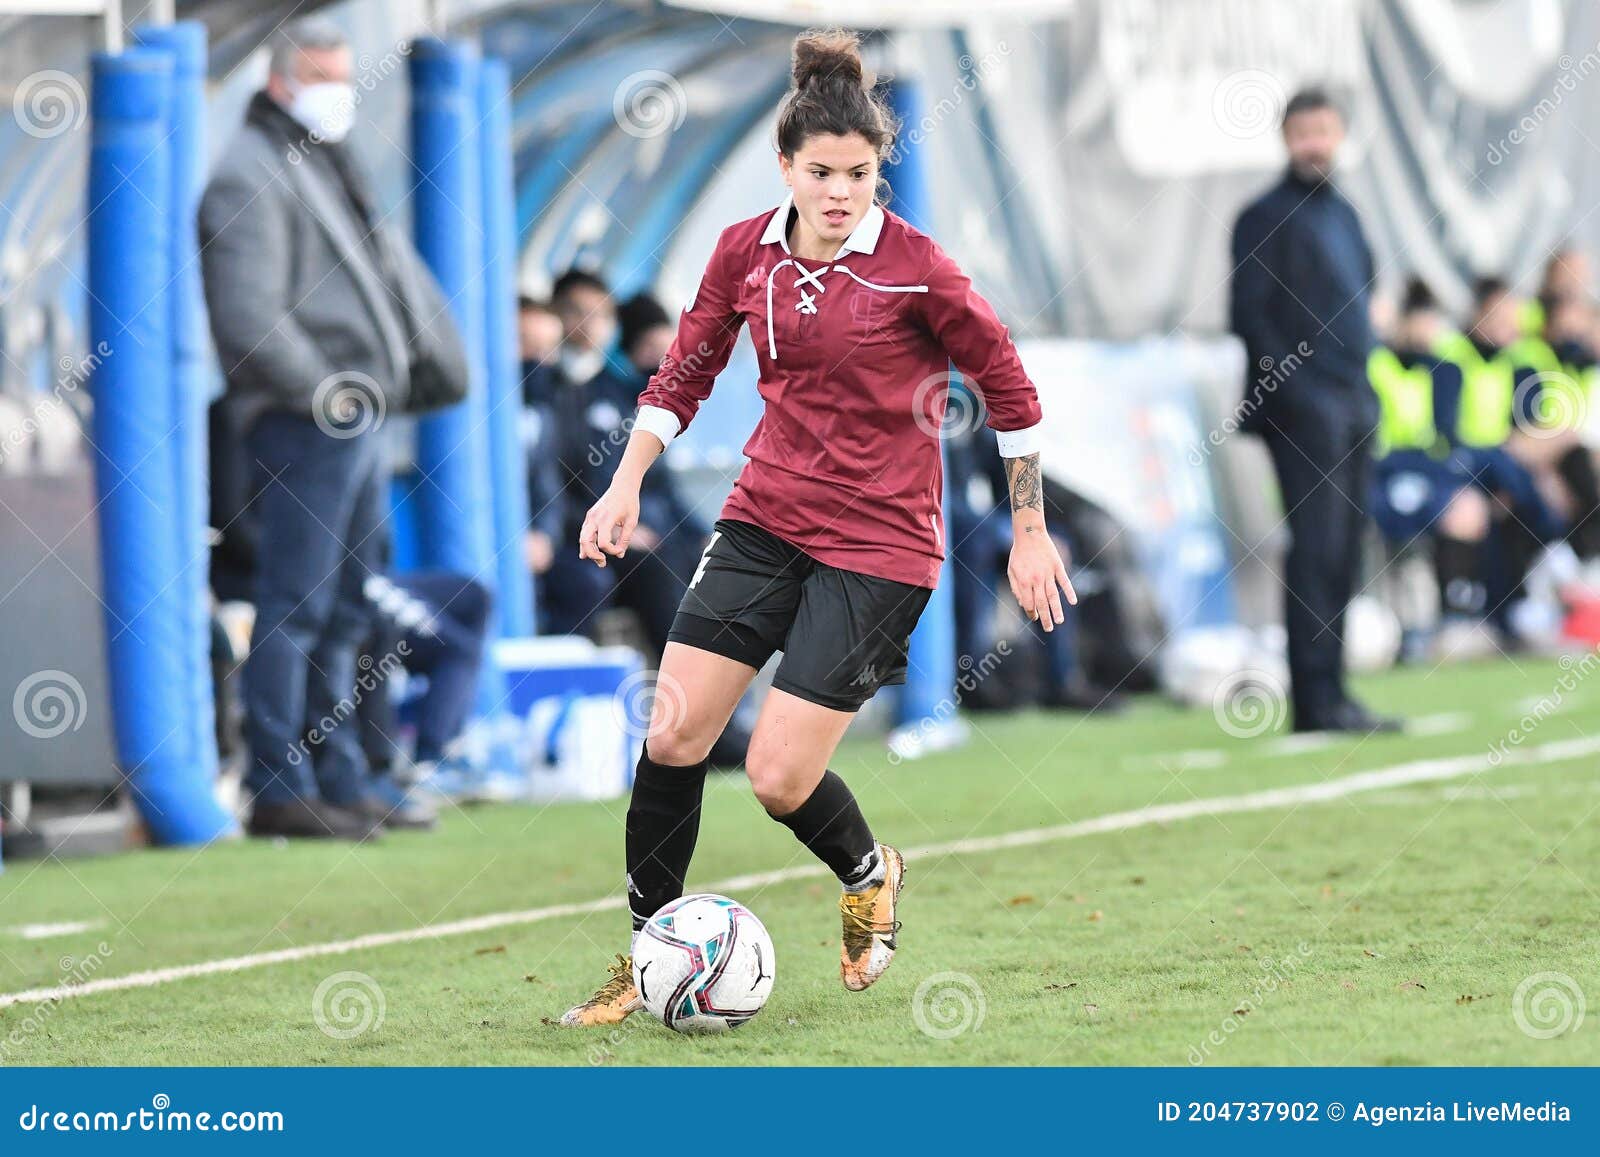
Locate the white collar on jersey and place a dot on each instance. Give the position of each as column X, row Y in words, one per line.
column 863, row 238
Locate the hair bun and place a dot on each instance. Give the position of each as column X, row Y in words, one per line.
column 826, row 58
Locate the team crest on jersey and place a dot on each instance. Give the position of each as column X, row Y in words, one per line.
column 868, row 309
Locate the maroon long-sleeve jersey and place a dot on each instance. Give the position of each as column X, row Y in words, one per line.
column 854, row 357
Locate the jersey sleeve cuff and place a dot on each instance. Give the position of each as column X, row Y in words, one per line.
column 1019, row 443
column 661, row 422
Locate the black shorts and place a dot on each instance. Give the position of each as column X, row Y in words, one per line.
column 843, row 634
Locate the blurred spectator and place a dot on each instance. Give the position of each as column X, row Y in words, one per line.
column 307, row 284
column 1425, row 487
column 1566, row 275
column 1300, row 301
column 539, row 334
column 1504, row 403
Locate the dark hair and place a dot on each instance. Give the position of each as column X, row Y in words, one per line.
column 636, row 315
column 1484, row 288
column 832, row 95
column 1309, row 100
column 574, row 279
column 526, row 304
column 1417, row 297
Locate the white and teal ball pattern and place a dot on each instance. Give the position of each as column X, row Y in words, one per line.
column 704, row 963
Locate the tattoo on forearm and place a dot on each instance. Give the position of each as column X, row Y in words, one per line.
column 1027, row 490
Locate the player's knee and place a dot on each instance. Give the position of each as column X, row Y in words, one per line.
column 774, row 778
column 674, row 742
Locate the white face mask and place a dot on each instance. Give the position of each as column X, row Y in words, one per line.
column 327, row 109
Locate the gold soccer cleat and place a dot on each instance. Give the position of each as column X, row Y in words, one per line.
column 868, row 942
column 612, row 1001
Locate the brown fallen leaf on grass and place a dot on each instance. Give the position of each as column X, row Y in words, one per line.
column 1243, row 948
column 1025, row 898
column 1061, row 987
column 489, row 951
column 1096, row 916
column 1371, row 953
column 1241, row 1012
column 1091, row 1009
column 534, row 978
column 1326, row 890
column 1470, row 999
column 1136, row 881
column 1413, row 984
column 1348, row 986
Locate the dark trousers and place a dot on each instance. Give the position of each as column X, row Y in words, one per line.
column 322, row 520
column 1322, row 455
column 444, row 644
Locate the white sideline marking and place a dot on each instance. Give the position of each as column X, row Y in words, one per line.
column 46, row 931
column 1418, row 771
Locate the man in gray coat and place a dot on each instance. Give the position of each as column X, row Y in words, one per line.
column 318, row 308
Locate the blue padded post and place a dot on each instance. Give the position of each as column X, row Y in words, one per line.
column 453, row 494
column 931, row 672
column 186, row 41
column 147, row 603
column 507, row 467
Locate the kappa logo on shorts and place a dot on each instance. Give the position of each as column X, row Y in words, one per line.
column 868, row 676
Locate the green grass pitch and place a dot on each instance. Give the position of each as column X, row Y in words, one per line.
column 1391, row 926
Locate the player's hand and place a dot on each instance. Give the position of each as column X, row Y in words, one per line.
column 609, row 525
column 1036, row 572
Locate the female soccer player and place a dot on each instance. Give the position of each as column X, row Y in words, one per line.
column 830, row 544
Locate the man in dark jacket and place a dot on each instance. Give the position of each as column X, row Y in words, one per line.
column 318, row 306
column 1302, row 284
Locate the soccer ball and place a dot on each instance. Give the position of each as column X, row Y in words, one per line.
column 703, row 964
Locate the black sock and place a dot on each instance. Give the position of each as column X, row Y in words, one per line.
column 831, row 825
column 1577, row 472
column 1455, row 567
column 663, row 823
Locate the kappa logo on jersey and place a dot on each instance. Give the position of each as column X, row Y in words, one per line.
column 757, row 277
